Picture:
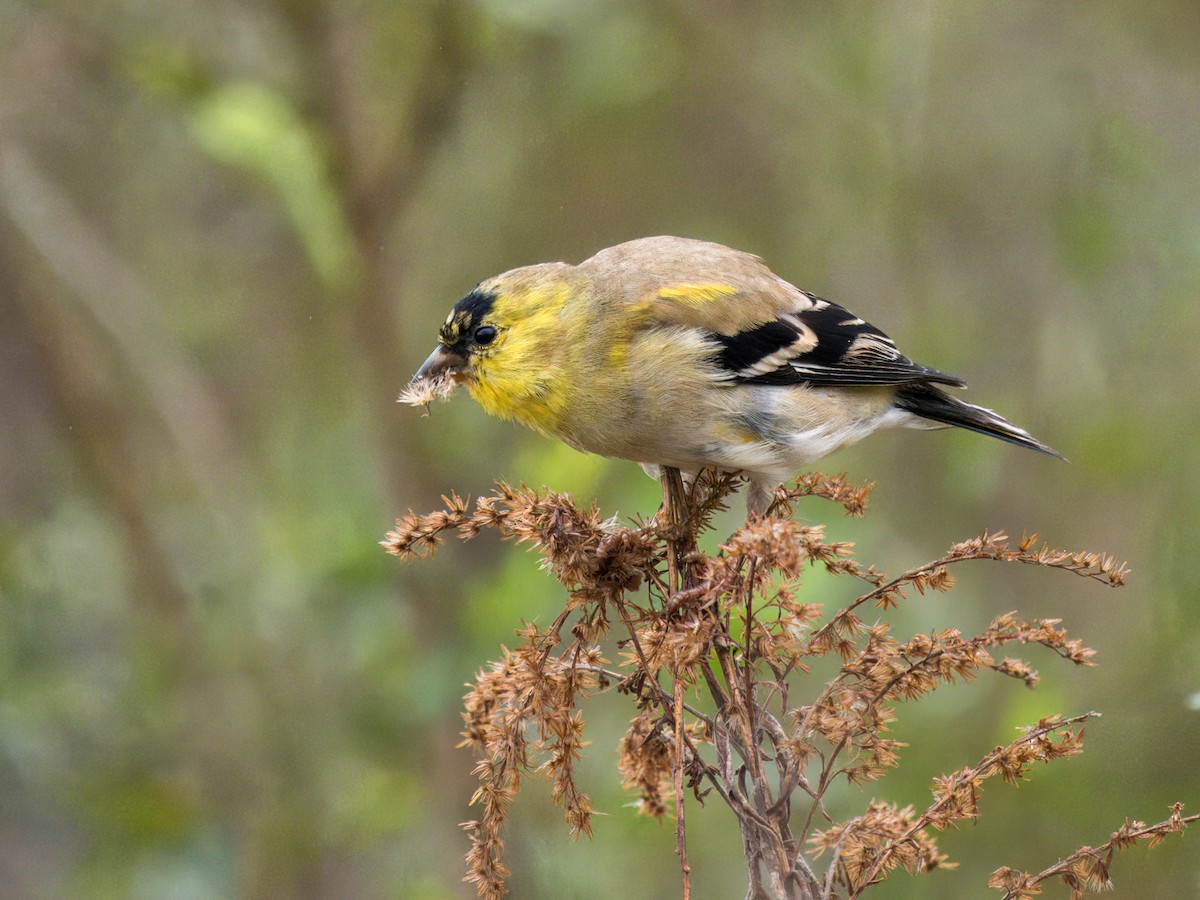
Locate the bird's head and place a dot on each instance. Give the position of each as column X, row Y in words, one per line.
column 500, row 340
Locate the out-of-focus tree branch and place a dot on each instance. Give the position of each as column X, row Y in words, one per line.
column 100, row 421
column 376, row 188
column 107, row 291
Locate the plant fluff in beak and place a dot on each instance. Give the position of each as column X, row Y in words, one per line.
column 436, row 379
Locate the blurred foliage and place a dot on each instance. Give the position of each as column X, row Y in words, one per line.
column 228, row 232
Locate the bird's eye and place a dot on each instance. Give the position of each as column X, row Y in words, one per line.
column 484, row 335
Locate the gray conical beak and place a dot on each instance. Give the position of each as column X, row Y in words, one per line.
column 442, row 362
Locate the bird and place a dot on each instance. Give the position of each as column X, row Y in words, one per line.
column 683, row 353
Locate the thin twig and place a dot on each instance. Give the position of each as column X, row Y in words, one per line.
column 679, row 546
column 680, row 828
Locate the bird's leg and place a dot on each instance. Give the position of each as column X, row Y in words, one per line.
column 758, row 499
column 674, row 511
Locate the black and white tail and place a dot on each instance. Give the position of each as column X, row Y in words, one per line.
column 929, row 402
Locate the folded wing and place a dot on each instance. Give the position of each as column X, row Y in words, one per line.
column 823, row 344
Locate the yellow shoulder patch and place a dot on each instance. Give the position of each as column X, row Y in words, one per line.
column 696, row 295
column 712, row 306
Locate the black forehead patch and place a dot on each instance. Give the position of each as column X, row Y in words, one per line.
column 475, row 305
column 468, row 313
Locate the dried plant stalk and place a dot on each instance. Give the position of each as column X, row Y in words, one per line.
column 732, row 631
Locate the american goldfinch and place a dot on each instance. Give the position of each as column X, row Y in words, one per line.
column 676, row 352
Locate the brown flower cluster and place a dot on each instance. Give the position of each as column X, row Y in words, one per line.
column 713, row 652
column 1087, row 868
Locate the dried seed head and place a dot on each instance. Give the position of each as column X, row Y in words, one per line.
column 423, row 391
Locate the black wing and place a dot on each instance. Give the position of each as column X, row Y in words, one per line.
column 825, row 344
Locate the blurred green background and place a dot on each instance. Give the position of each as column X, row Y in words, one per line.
column 228, row 234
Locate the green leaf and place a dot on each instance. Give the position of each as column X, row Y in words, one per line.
column 252, row 127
